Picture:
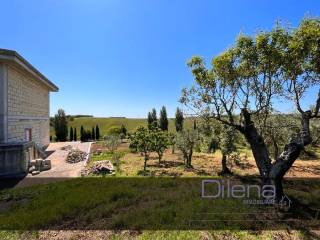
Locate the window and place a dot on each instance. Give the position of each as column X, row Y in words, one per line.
column 28, row 134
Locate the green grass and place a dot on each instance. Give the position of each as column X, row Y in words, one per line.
column 138, row 203
column 108, row 155
column 125, row 203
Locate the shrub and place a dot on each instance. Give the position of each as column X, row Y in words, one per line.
column 114, row 130
column 112, row 142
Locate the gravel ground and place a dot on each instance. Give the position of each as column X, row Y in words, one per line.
column 59, row 166
column 60, row 169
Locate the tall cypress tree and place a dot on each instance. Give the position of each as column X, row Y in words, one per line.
column 179, row 120
column 71, row 134
column 61, row 126
column 194, row 124
column 150, row 120
column 82, row 134
column 123, row 130
column 163, row 122
column 93, row 134
column 75, row 136
column 154, row 117
column 97, row 133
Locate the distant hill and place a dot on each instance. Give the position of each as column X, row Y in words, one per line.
column 79, row 116
column 105, row 123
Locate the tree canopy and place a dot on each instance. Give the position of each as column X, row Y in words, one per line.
column 244, row 82
column 163, row 121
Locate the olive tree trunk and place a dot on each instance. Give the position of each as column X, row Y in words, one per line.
column 225, row 170
column 273, row 173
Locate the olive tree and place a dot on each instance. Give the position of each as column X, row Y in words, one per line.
column 276, row 131
column 112, row 142
column 250, row 77
column 172, row 141
column 227, row 146
column 160, row 141
column 186, row 141
column 141, row 140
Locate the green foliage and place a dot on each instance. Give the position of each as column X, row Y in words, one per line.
column 208, row 136
column 141, row 141
column 108, row 155
column 61, row 126
column 104, row 124
column 93, row 134
column 97, row 133
column 278, row 65
column 86, row 135
column 257, row 70
column 233, row 159
column 179, row 120
column 75, row 135
column 71, row 134
column 172, row 141
column 152, row 119
column 114, row 130
column 160, row 141
column 186, row 141
column 227, row 145
column 315, row 131
column 149, row 119
column 124, row 130
column 163, row 121
column 82, row 134
column 112, row 142
column 277, row 129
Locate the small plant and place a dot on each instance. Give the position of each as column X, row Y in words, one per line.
column 116, row 159
column 234, row 159
column 112, row 142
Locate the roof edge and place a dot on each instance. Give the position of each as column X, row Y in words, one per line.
column 11, row 55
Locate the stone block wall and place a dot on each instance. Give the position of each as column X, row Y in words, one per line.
column 28, row 107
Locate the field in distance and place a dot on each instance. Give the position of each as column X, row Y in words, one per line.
column 105, row 123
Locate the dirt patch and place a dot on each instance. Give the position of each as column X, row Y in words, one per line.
column 101, row 146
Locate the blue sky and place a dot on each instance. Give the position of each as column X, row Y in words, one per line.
column 124, row 57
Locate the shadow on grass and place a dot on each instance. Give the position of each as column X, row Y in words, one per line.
column 144, row 173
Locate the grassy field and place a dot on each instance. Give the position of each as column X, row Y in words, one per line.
column 105, row 123
column 158, row 204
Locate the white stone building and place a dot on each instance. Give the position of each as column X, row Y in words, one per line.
column 24, row 103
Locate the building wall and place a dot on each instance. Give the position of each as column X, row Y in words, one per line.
column 28, row 107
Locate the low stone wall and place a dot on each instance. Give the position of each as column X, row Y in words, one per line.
column 15, row 158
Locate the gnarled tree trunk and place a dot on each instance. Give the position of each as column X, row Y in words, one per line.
column 225, row 170
column 273, row 173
